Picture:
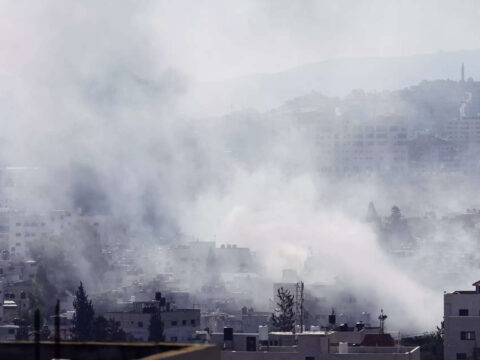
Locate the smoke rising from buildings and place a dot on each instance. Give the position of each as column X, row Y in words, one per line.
column 94, row 99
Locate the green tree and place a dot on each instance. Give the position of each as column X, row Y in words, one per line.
column 284, row 317
column 99, row 329
column 155, row 328
column 107, row 330
column 115, row 332
column 83, row 317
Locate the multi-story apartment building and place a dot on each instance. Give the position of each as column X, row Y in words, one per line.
column 462, row 324
column 464, row 134
column 345, row 146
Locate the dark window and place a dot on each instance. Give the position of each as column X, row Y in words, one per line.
column 463, row 312
column 251, row 343
column 184, row 322
column 467, row 335
column 11, row 331
column 174, row 323
column 192, row 322
column 140, row 324
column 309, row 357
column 461, row 356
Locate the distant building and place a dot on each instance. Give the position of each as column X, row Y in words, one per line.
column 344, row 146
column 464, row 134
column 428, row 153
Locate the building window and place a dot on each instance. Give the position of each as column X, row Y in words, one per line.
column 174, row 323
column 192, row 322
column 184, row 322
column 140, row 324
column 467, row 335
column 309, row 357
column 461, row 356
column 463, row 312
column 173, row 339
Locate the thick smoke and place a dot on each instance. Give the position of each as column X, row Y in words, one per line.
column 89, row 98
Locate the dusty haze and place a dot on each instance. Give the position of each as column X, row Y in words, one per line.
column 97, row 96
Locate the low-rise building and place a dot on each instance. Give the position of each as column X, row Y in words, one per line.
column 179, row 325
column 462, row 323
column 311, row 345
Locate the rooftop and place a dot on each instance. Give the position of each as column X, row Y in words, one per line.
column 21, row 350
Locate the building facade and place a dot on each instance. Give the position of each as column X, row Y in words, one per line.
column 462, row 323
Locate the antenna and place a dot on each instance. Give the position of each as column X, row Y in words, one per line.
column 382, row 317
column 299, row 304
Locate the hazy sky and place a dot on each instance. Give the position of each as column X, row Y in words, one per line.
column 212, row 40
column 222, row 39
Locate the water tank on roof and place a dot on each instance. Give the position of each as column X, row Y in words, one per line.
column 343, row 347
column 263, row 333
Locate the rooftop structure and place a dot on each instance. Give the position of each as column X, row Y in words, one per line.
column 311, row 345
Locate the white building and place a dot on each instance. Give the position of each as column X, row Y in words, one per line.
column 462, row 323
column 179, row 325
column 311, row 345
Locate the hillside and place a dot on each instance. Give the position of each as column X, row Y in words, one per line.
column 332, row 78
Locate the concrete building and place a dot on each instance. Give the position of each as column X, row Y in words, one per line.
column 464, row 134
column 462, row 323
column 8, row 332
column 428, row 153
column 346, row 146
column 312, row 345
column 180, row 325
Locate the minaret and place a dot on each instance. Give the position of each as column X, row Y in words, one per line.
column 463, row 73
